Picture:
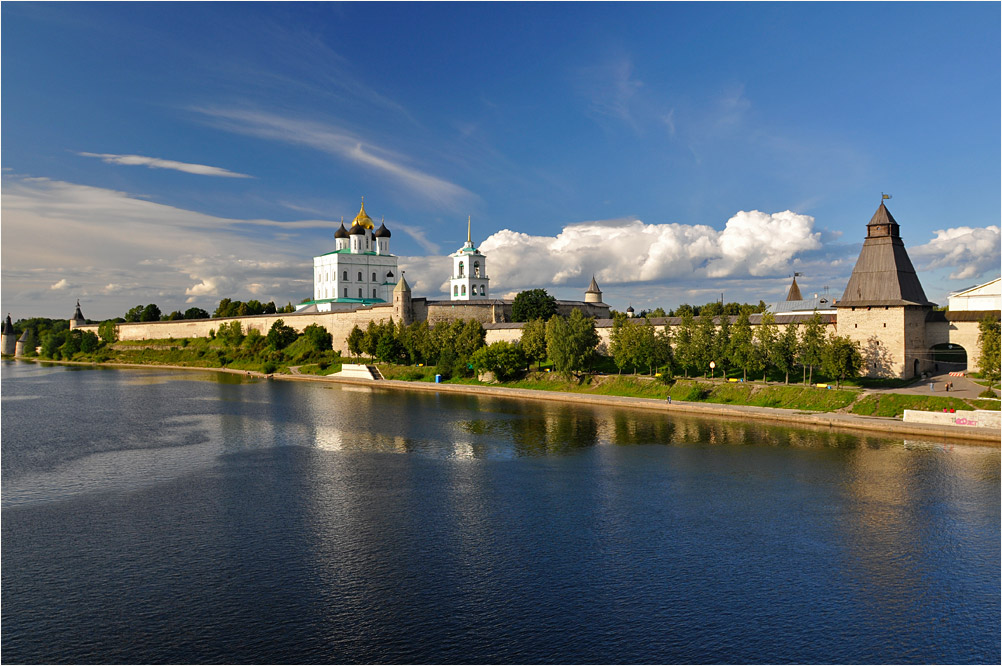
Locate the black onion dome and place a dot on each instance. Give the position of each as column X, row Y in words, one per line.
column 341, row 233
column 629, row 309
column 382, row 232
column 356, row 230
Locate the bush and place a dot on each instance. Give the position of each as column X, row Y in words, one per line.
column 269, row 367
column 280, row 335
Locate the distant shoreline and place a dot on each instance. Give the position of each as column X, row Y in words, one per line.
column 810, row 420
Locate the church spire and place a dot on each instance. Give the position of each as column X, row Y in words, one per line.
column 469, row 238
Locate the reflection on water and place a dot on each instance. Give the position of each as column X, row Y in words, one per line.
column 155, row 516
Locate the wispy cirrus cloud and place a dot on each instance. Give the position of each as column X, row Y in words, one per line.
column 113, row 249
column 343, row 144
column 157, row 163
column 610, row 89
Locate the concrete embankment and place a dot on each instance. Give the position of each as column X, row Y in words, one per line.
column 812, row 420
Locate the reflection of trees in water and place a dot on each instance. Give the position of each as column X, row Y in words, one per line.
column 556, row 430
column 629, row 429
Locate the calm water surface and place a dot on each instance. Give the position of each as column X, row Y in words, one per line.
column 160, row 516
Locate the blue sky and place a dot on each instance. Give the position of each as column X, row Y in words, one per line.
column 183, row 153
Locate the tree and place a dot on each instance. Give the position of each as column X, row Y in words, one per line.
column 742, row 345
column 571, row 341
column 722, row 345
column 811, row 344
column 318, row 338
column 150, row 313
column 684, row 352
column 533, row 341
column 504, row 359
column 226, row 308
column 533, row 304
column 389, row 349
column 134, row 314
column 232, row 333
column 280, row 335
column 355, row 340
column 766, row 336
column 785, row 352
column 620, row 343
column 51, row 342
column 841, row 358
column 196, row 313
column 89, row 342
column 988, row 340
column 108, row 332
column 704, row 342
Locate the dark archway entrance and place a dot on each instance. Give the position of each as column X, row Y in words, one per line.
column 948, row 357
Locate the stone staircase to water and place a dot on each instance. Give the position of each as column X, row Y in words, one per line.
column 360, row 371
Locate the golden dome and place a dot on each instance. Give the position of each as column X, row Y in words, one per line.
column 362, row 219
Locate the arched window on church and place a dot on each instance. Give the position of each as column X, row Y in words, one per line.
column 476, row 269
column 464, row 290
column 344, row 276
column 455, row 291
column 360, row 276
column 460, row 269
column 373, row 279
column 482, row 292
column 346, row 292
column 360, row 292
column 373, row 293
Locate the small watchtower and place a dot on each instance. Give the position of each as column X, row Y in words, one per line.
column 78, row 318
column 8, row 338
column 593, row 294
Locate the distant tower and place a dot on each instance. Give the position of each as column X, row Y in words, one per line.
column 78, row 318
column 629, row 311
column 8, row 338
column 402, row 307
column 469, row 272
column 594, row 294
column 794, row 293
column 884, row 307
column 19, row 346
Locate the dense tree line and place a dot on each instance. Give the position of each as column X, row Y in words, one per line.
column 226, row 308
column 698, row 342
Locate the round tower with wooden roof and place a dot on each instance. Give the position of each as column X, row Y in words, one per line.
column 593, row 294
column 8, row 338
column 78, row 318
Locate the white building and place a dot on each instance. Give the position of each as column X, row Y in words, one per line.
column 469, row 279
column 360, row 270
column 987, row 296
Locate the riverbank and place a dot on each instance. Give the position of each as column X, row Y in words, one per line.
column 812, row 420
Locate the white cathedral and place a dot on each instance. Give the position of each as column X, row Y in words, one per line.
column 361, row 270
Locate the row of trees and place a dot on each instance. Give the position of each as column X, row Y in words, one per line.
column 698, row 342
column 458, row 348
column 226, row 308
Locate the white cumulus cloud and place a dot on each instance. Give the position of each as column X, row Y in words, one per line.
column 157, row 163
column 62, row 284
column 752, row 244
column 968, row 251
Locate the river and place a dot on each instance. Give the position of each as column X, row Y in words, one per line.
column 164, row 516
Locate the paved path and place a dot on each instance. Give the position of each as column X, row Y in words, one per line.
column 962, row 387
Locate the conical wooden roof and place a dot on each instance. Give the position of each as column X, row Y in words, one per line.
column 883, row 274
column 794, row 293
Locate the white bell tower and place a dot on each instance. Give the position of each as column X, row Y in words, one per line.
column 469, row 279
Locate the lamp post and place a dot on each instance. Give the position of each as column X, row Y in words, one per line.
column 713, row 365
